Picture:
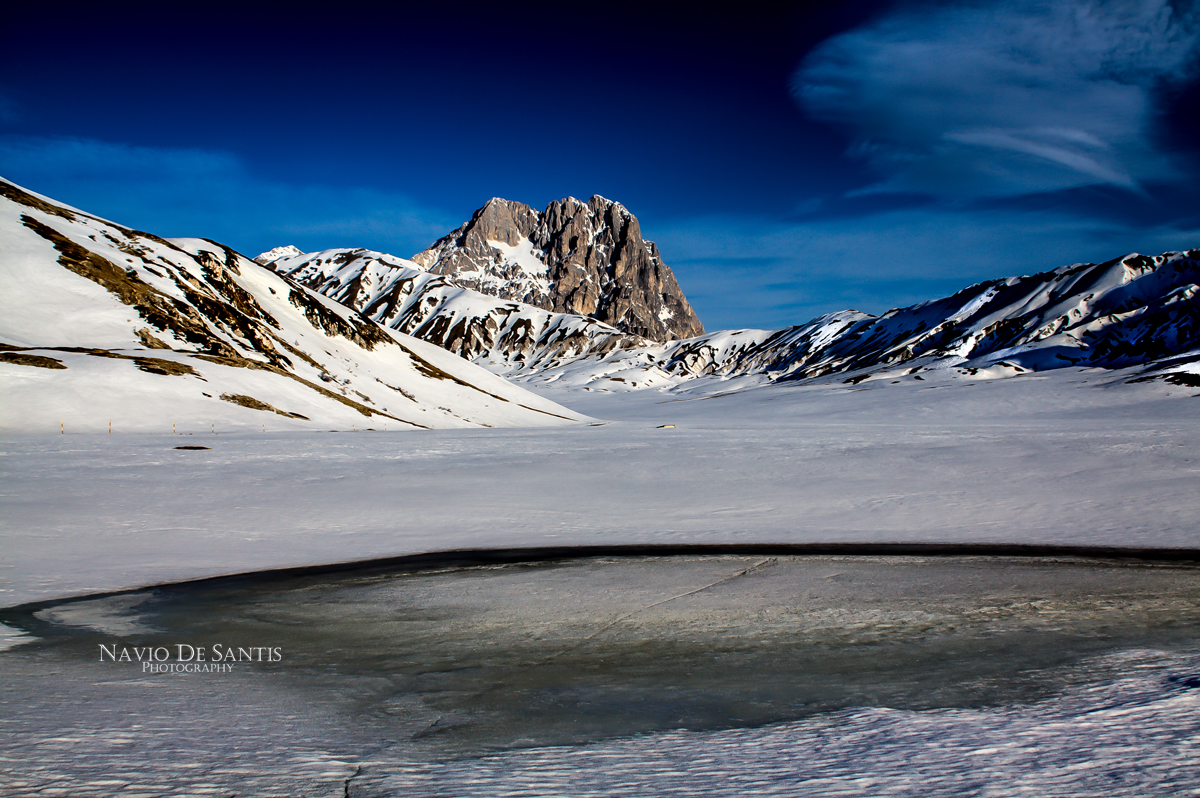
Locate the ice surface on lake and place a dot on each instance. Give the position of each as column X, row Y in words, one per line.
column 10, row 637
column 1136, row 736
column 112, row 615
column 710, row 676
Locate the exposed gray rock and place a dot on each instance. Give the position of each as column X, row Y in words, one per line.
column 587, row 259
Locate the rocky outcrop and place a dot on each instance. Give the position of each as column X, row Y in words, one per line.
column 587, row 259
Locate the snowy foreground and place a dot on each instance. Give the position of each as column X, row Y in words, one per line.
column 1066, row 457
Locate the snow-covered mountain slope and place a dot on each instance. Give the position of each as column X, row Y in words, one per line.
column 397, row 293
column 586, row 258
column 1135, row 310
column 99, row 322
column 1127, row 311
column 1130, row 310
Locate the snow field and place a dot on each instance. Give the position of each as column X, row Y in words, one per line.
column 1070, row 457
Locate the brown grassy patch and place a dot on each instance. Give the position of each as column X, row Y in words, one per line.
column 22, row 359
column 17, row 195
column 161, row 311
column 231, row 256
column 241, row 362
column 298, row 353
column 156, row 365
column 257, row 404
column 401, row 391
column 220, row 301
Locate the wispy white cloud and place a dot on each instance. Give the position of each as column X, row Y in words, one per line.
column 1003, row 97
column 211, row 194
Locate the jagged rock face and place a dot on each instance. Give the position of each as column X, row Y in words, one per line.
column 588, row 259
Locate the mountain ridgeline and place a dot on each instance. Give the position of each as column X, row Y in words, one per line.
column 1125, row 312
column 576, row 293
column 104, row 325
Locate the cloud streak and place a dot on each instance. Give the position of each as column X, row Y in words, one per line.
column 1005, row 98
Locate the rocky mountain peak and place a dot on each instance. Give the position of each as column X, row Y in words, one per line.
column 504, row 221
column 586, row 258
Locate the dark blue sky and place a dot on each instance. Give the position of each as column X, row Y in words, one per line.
column 789, row 160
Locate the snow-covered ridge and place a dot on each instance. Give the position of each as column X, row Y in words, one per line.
column 101, row 323
column 1127, row 311
column 397, row 293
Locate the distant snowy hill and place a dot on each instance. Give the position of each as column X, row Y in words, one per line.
column 99, row 322
column 1128, row 311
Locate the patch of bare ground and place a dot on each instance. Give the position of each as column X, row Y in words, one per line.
column 1182, row 378
column 149, row 341
column 161, row 311
column 24, row 198
column 150, row 365
column 257, row 404
column 156, row 365
column 22, row 359
column 219, row 300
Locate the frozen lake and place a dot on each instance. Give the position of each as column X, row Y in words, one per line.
column 713, row 675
